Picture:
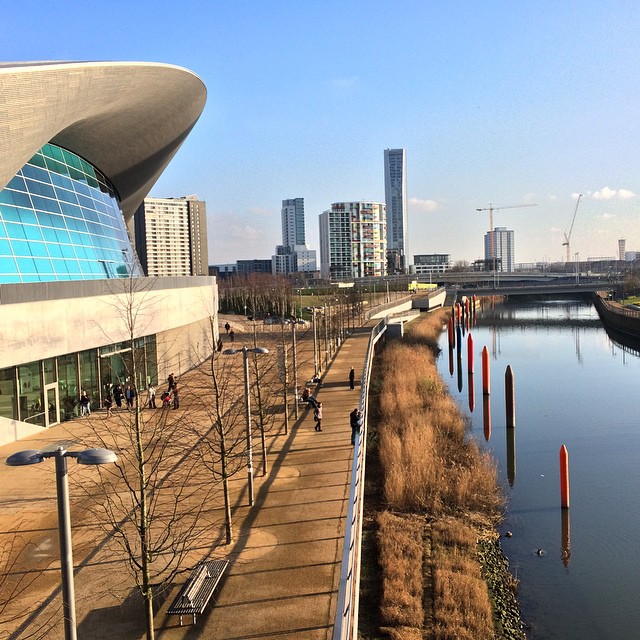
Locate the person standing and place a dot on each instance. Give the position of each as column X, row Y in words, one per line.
column 355, row 419
column 227, row 326
column 108, row 403
column 317, row 416
column 232, row 335
column 176, row 396
column 85, row 404
column 151, row 397
column 171, row 380
column 352, row 379
column 117, row 395
column 129, row 396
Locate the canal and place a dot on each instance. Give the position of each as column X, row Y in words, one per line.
column 579, row 569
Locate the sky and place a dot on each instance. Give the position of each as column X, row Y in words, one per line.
column 497, row 103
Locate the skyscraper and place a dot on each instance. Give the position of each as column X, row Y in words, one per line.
column 293, row 255
column 395, row 194
column 293, row 223
column 171, row 236
column 503, row 249
column 353, row 240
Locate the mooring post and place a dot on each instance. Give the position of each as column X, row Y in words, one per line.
column 564, row 477
column 510, row 403
column 450, row 333
column 486, row 383
column 469, row 353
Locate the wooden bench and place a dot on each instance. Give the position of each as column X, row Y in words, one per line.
column 196, row 592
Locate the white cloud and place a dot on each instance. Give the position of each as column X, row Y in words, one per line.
column 610, row 194
column 423, row 206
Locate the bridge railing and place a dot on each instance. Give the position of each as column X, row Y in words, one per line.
column 346, row 620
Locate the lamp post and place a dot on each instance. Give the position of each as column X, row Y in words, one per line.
column 295, row 365
column 88, row 456
column 247, row 400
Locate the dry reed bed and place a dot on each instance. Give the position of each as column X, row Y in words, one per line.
column 441, row 495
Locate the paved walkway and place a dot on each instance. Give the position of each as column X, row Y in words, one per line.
column 285, row 562
column 283, row 579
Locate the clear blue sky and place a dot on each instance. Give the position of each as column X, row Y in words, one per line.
column 495, row 102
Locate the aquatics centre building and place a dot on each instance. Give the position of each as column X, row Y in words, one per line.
column 82, row 144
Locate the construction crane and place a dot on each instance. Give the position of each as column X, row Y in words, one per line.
column 567, row 236
column 491, row 209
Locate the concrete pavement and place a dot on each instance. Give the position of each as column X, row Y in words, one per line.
column 285, row 561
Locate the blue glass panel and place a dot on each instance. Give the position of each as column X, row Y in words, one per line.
column 66, row 196
column 59, row 179
column 32, row 232
column 40, row 188
column 55, row 250
column 43, row 265
column 27, row 216
column 38, row 249
column 63, row 235
column 14, row 230
column 26, row 265
column 39, row 160
column 71, row 209
column 5, row 247
column 10, row 213
column 57, row 221
column 6, row 197
column 20, row 248
column 31, row 277
column 8, row 265
column 37, row 173
column 17, row 183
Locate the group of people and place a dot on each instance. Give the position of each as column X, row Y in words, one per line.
column 127, row 397
column 355, row 417
column 230, row 331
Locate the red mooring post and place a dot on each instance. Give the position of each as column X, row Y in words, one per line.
column 486, row 383
column 510, row 403
column 450, row 333
column 564, row 477
column 469, row 353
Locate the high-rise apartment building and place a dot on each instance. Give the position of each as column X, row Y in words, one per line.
column 503, row 249
column 293, row 222
column 293, row 255
column 395, row 194
column 171, row 236
column 353, row 240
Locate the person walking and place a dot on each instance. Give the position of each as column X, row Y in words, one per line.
column 232, row 335
column 85, row 404
column 171, row 380
column 352, row 379
column 317, row 416
column 355, row 420
column 129, row 395
column 227, row 326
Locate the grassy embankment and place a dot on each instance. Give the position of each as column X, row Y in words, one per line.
column 432, row 562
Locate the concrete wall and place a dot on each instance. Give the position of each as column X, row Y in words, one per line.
column 96, row 315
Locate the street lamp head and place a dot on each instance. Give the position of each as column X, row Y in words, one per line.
column 230, row 352
column 259, row 350
column 96, row 456
column 22, row 458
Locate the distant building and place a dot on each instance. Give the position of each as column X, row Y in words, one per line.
column 631, row 256
column 353, row 240
column 293, row 255
column 395, row 194
column 426, row 263
column 503, row 249
column 223, row 270
column 171, row 236
column 254, row 266
column 622, row 244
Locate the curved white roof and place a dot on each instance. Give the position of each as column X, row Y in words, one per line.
column 127, row 119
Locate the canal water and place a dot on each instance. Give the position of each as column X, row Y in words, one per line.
column 579, row 569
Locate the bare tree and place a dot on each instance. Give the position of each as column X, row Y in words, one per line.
column 151, row 499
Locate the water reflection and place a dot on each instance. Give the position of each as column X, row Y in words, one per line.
column 576, row 384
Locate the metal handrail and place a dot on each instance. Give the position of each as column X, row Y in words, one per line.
column 346, row 620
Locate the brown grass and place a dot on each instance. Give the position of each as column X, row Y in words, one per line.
column 432, row 473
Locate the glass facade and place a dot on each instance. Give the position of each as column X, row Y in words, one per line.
column 60, row 219
column 48, row 391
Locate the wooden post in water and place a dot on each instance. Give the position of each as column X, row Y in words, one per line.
column 510, row 403
column 469, row 353
column 564, row 477
column 486, row 383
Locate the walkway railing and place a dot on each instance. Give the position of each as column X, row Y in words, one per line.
column 346, row 622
